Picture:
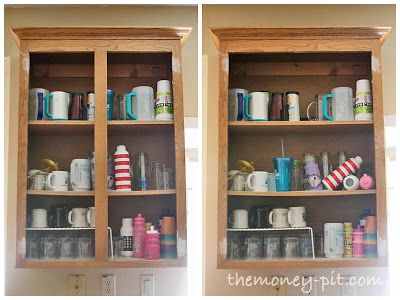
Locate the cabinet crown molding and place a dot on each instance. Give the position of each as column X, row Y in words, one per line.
column 302, row 33
column 101, row 33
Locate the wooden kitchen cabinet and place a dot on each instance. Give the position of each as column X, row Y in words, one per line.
column 81, row 59
column 311, row 61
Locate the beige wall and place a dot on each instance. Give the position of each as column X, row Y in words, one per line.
column 276, row 16
column 54, row 282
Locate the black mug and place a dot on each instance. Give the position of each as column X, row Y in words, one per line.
column 259, row 217
column 58, row 217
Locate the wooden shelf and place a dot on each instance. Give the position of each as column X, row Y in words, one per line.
column 301, row 127
column 63, row 194
column 70, row 127
column 304, row 263
column 111, row 263
column 302, row 193
column 127, row 126
column 140, row 193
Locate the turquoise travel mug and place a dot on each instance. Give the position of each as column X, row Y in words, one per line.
column 283, row 173
column 110, row 103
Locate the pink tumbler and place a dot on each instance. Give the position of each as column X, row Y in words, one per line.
column 139, row 231
column 358, row 242
column 367, row 182
column 152, row 244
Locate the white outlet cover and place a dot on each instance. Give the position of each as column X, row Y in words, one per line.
column 108, row 285
column 146, row 285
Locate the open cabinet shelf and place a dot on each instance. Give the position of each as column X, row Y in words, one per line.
column 311, row 61
column 62, row 59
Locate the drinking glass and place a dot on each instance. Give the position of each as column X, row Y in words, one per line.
column 33, row 246
column 118, row 244
column 141, row 171
column 235, row 247
column 291, row 247
column 157, row 175
column 84, row 247
column 50, row 247
column 168, row 178
column 67, row 248
column 254, row 247
column 305, row 245
column 272, row 246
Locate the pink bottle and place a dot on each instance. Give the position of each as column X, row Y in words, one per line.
column 367, row 182
column 335, row 178
column 139, row 231
column 358, row 242
column 152, row 244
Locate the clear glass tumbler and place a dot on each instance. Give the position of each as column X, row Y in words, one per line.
column 272, row 246
column 157, row 176
column 50, row 247
column 67, row 248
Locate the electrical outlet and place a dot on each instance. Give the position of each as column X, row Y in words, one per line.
column 146, row 285
column 108, row 285
column 309, row 286
column 277, row 289
column 77, row 285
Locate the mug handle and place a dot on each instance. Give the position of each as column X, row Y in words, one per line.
column 325, row 106
column 73, row 173
column 289, row 216
column 70, row 217
column 308, row 113
column 246, row 107
column 47, row 106
column 248, row 182
column 40, row 106
column 88, row 218
column 48, row 181
column 129, row 106
column 270, row 218
column 230, row 220
column 240, row 107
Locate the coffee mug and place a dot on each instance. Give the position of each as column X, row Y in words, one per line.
column 236, row 103
column 39, row 218
column 58, row 217
column 91, row 217
column 278, row 218
column 256, row 106
column 342, row 104
column 36, row 103
column 257, row 181
column 77, row 217
column 58, row 181
column 56, row 105
column 318, row 114
column 239, row 218
column 140, row 103
column 271, row 182
column 238, row 183
column 38, row 182
column 80, row 175
column 297, row 216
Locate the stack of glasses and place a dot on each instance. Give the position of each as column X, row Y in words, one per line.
column 370, row 237
column 168, row 238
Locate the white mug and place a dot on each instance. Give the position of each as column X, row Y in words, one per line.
column 39, row 218
column 36, row 103
column 240, row 218
column 297, row 216
column 60, row 181
column 278, row 218
column 80, row 175
column 333, row 240
column 235, row 104
column 56, row 105
column 77, row 217
column 91, row 217
column 257, row 181
column 256, row 106
column 140, row 103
